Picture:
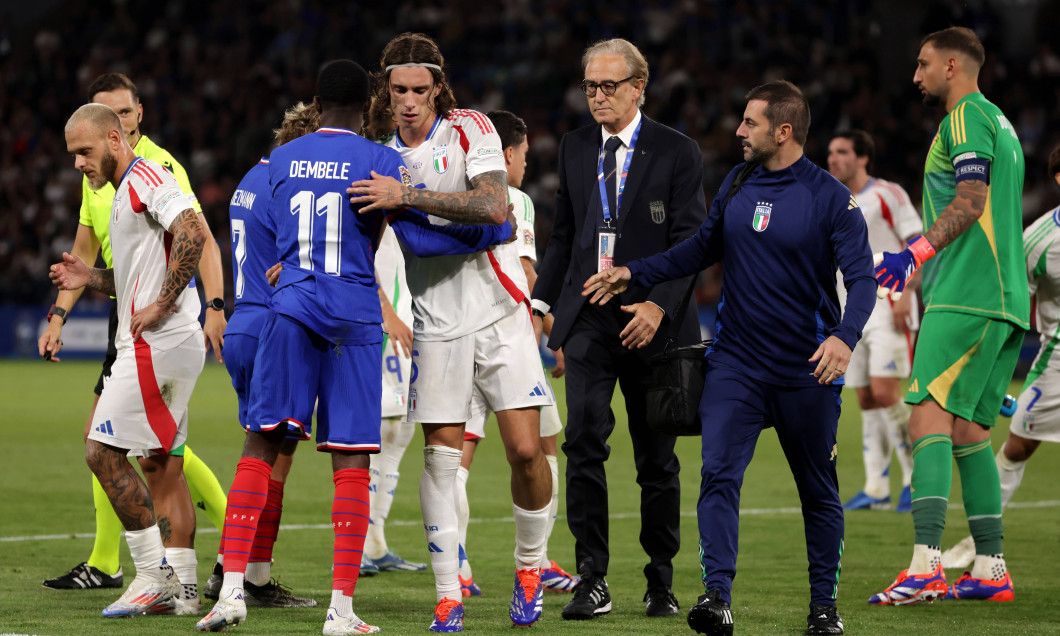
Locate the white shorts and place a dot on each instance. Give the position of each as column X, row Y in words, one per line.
column 882, row 352
column 396, row 369
column 144, row 405
column 476, row 426
column 1038, row 412
column 500, row 360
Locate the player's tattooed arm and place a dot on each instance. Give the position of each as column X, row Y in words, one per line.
column 486, row 202
column 101, row 280
column 189, row 237
column 959, row 215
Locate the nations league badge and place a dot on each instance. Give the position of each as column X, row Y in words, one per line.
column 441, row 159
column 658, row 211
column 762, row 212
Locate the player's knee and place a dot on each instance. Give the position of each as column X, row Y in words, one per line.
column 524, row 452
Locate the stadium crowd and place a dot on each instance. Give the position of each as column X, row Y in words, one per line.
column 218, row 77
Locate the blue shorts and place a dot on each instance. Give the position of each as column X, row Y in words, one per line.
column 296, row 367
column 239, row 352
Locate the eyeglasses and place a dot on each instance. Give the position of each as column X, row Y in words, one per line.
column 608, row 87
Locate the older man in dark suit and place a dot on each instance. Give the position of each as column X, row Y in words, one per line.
column 629, row 188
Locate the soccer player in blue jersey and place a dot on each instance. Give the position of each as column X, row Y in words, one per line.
column 253, row 254
column 782, row 344
column 322, row 339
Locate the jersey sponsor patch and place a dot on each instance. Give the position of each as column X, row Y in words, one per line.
column 406, row 176
column 167, row 200
column 763, row 210
column 961, row 157
column 528, row 237
column 489, row 152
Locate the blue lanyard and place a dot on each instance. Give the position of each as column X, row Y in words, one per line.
column 621, row 177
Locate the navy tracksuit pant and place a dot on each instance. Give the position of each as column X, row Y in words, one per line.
column 734, row 410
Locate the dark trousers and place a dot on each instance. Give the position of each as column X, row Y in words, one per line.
column 734, row 410
column 595, row 361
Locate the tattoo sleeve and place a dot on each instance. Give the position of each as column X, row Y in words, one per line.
column 101, row 280
column 485, row 203
column 189, row 236
column 959, row 215
column 127, row 492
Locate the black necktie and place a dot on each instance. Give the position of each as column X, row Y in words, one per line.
column 610, row 170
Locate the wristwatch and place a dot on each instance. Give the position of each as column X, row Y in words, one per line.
column 56, row 310
column 216, row 303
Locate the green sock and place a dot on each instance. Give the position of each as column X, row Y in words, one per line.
column 982, row 494
column 104, row 555
column 932, row 478
column 206, row 492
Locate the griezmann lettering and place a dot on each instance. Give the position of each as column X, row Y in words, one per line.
column 244, row 199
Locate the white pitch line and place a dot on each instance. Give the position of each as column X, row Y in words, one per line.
column 407, row 522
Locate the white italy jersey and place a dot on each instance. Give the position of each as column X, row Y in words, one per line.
column 890, row 218
column 453, row 296
column 146, row 203
column 524, row 218
column 1042, row 249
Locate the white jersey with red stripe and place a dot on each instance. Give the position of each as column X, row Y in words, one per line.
column 147, row 201
column 891, row 219
column 453, row 296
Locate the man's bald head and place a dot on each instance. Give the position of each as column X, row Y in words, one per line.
column 102, row 119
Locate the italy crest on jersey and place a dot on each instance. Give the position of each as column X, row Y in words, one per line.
column 441, row 159
column 762, row 212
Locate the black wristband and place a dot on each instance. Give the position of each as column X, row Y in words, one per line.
column 56, row 310
column 537, row 312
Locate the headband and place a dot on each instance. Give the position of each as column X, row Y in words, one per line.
column 425, row 64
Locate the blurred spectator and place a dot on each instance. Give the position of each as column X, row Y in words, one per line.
column 219, row 75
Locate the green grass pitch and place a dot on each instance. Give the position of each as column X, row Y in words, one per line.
column 46, row 491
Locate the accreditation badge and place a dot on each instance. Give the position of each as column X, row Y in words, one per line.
column 605, row 250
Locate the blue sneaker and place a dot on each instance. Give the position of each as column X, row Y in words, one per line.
column 913, row 588
column 527, row 597
column 391, row 562
column 448, row 616
column 861, row 501
column 970, row 588
column 905, row 500
column 368, row 567
column 468, row 587
column 556, row 579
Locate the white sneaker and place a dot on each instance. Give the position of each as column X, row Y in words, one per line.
column 179, row 607
column 335, row 625
column 144, row 593
column 960, row 556
column 229, row 611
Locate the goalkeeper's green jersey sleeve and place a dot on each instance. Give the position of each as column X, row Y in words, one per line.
column 95, row 204
column 983, row 271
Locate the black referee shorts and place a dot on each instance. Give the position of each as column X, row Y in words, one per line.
column 112, row 350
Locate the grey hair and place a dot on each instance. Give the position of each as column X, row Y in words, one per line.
column 638, row 66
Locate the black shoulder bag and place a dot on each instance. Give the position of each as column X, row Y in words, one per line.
column 678, row 373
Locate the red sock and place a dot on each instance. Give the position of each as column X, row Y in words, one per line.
column 269, row 524
column 245, row 502
column 349, row 518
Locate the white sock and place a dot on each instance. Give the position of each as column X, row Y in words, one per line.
column 463, row 516
column 897, row 418
column 183, row 562
column 343, row 604
column 221, row 559
column 989, row 566
column 553, row 508
column 925, row 559
column 258, row 572
column 232, row 581
column 146, row 549
column 440, row 464
column 1011, row 474
column 876, row 451
column 531, row 528
column 395, row 436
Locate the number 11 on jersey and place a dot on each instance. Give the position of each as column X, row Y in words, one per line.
column 329, row 205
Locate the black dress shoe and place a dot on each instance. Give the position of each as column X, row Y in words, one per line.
column 711, row 616
column 660, row 602
column 824, row 619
